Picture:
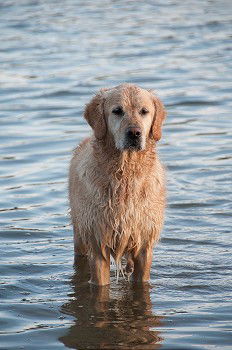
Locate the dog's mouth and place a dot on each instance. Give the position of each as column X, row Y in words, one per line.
column 133, row 145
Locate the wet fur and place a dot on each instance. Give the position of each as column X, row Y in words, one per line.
column 117, row 198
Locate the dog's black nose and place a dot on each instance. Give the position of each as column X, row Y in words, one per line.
column 134, row 133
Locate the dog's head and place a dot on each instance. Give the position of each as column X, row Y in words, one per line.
column 128, row 114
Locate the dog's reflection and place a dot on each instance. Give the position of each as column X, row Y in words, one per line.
column 115, row 317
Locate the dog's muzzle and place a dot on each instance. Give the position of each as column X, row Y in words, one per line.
column 133, row 138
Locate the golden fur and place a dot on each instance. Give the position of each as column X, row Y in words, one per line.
column 117, row 194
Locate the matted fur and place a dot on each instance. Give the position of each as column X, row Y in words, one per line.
column 117, row 196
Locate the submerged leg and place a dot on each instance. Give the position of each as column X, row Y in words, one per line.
column 99, row 262
column 81, row 266
column 142, row 264
column 129, row 269
column 80, row 248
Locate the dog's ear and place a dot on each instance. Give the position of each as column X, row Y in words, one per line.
column 159, row 117
column 94, row 114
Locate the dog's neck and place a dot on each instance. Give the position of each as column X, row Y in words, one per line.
column 127, row 162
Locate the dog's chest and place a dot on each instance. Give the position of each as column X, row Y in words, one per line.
column 124, row 199
column 132, row 201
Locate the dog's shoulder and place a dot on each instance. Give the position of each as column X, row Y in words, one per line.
column 81, row 157
column 82, row 147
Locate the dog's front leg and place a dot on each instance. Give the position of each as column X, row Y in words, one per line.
column 99, row 261
column 142, row 264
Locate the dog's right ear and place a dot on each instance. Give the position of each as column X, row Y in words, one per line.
column 94, row 114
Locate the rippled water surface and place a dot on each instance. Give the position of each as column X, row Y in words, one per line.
column 54, row 56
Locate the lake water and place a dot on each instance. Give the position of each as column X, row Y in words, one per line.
column 54, row 56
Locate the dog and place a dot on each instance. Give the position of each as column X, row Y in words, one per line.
column 117, row 183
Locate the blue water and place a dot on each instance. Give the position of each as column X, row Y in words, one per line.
column 54, row 56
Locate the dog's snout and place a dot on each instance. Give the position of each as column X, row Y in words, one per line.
column 134, row 133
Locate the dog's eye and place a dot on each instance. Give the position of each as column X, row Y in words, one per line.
column 144, row 111
column 118, row 111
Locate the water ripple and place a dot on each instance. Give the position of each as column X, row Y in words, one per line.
column 53, row 58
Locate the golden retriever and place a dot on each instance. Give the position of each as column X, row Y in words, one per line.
column 117, row 183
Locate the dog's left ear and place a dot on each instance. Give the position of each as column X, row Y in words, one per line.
column 94, row 114
column 159, row 117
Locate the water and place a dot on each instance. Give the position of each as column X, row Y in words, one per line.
column 54, row 56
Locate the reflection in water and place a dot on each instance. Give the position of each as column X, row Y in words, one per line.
column 115, row 317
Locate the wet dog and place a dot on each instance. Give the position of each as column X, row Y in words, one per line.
column 117, row 183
